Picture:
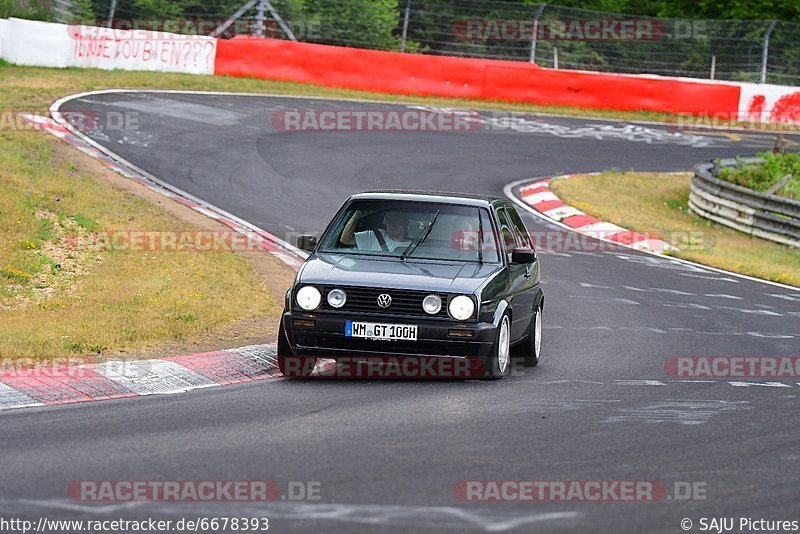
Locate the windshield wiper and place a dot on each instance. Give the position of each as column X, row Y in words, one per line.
column 414, row 244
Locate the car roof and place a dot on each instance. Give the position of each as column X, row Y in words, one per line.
column 464, row 199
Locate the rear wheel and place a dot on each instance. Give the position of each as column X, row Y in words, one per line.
column 530, row 349
column 499, row 363
column 292, row 366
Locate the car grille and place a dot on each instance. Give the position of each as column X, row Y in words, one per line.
column 365, row 299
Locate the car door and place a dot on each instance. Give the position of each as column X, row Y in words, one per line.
column 520, row 296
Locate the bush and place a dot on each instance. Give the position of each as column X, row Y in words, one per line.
column 23, row 10
column 762, row 176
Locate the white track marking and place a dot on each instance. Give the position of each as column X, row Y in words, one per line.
column 605, row 299
column 784, row 297
column 659, row 290
column 687, row 305
column 683, row 412
column 762, row 384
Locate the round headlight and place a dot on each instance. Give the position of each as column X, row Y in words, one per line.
column 461, row 308
column 309, row 298
column 432, row 304
column 337, row 298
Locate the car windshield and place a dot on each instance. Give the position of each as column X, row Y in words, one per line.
column 423, row 230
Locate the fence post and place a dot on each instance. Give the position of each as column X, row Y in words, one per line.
column 713, row 66
column 111, row 10
column 536, row 31
column 405, row 26
column 766, row 51
column 260, row 18
column 555, row 57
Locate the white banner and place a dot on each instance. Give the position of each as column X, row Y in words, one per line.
column 44, row 44
column 34, row 43
column 3, row 23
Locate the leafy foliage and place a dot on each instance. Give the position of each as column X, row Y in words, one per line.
column 762, row 176
column 23, row 10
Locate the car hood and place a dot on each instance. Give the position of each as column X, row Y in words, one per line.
column 370, row 271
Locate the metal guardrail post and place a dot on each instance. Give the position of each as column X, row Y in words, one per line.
column 262, row 6
column 765, row 54
column 112, row 9
column 536, row 31
column 406, row 16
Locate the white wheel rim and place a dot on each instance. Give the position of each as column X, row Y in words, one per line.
column 537, row 331
column 503, row 346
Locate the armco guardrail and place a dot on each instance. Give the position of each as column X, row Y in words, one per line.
column 759, row 214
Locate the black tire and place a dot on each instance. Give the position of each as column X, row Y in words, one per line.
column 493, row 369
column 530, row 350
column 292, row 366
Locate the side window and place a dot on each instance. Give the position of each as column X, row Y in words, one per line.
column 507, row 234
column 523, row 239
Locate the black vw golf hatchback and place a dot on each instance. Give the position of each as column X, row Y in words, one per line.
column 435, row 284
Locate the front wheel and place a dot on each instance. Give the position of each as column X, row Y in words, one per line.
column 292, row 366
column 499, row 362
column 530, row 349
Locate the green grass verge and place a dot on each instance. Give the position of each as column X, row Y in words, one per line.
column 60, row 296
column 657, row 204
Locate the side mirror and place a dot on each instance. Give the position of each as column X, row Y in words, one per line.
column 522, row 256
column 307, row 242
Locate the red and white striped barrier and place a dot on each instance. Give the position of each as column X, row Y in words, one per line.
column 540, row 197
column 45, row 44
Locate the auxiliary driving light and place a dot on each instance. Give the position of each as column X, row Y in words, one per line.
column 432, row 304
column 337, row 298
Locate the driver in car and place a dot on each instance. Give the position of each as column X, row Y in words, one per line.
column 394, row 237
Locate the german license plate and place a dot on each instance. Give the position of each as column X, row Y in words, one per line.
column 390, row 332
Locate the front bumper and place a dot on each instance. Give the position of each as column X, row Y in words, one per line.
column 326, row 338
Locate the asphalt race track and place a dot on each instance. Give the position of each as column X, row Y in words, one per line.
column 388, row 454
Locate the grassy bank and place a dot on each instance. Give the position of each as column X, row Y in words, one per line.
column 657, row 204
column 61, row 292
